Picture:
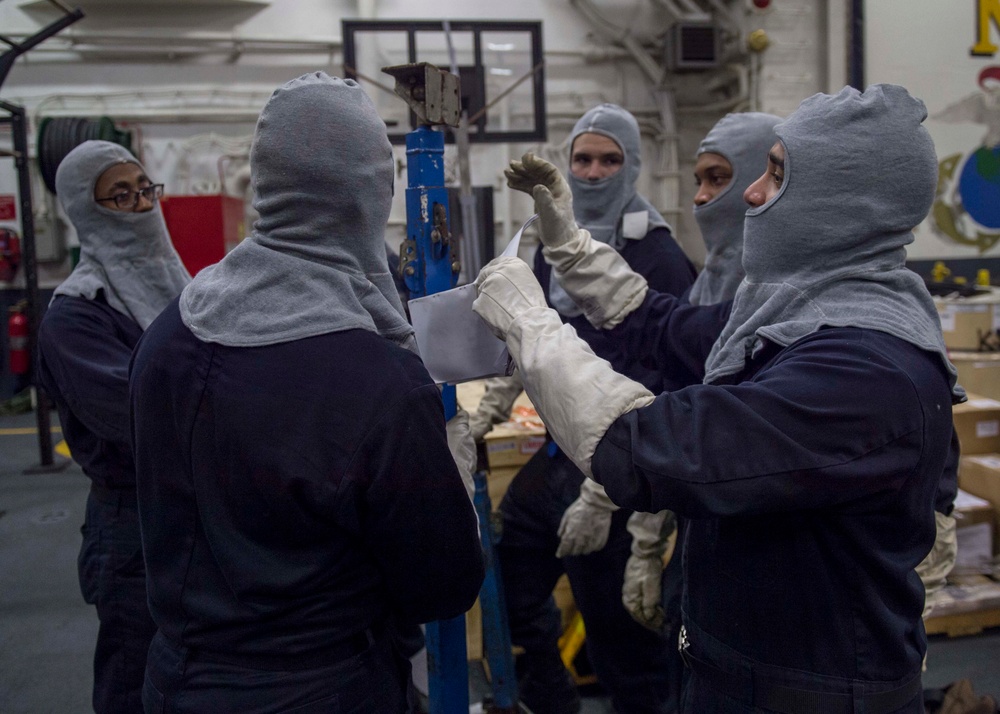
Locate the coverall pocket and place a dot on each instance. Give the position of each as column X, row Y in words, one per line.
column 153, row 701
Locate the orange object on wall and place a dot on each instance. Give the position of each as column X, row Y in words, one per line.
column 203, row 228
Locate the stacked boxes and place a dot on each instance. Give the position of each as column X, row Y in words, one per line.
column 978, row 372
column 977, row 422
column 971, row 323
column 509, row 446
column 971, row 329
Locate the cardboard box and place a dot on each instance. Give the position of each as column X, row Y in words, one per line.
column 474, row 632
column 980, row 476
column 469, row 394
column 513, row 445
column 977, row 422
column 969, row 323
column 514, row 442
column 978, row 372
column 974, row 533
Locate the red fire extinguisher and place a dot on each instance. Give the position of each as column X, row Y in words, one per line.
column 17, row 336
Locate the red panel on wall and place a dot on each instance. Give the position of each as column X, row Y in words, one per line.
column 203, row 228
column 8, row 207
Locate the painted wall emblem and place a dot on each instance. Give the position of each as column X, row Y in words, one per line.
column 967, row 202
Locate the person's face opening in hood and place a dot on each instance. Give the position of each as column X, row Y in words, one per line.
column 767, row 186
column 595, row 157
column 712, row 173
column 125, row 187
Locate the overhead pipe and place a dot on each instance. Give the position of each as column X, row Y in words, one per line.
column 689, row 11
column 742, row 96
column 647, row 64
column 189, row 45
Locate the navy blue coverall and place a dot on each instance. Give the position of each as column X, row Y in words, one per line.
column 640, row 668
column 808, row 485
column 84, row 351
column 298, row 503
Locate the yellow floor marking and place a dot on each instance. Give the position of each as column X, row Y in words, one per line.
column 25, row 430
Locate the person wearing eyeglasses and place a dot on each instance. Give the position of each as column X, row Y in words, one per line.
column 128, row 272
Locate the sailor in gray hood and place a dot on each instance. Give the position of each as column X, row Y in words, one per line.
column 128, row 272
column 808, row 462
column 552, row 515
column 299, row 500
column 605, row 163
column 728, row 161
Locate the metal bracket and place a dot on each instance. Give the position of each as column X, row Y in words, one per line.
column 407, row 258
column 433, row 94
column 442, row 238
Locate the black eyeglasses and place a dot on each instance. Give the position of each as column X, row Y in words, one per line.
column 130, row 199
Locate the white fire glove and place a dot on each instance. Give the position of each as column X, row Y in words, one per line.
column 463, row 448
column 553, row 197
column 641, row 589
column 576, row 393
column 586, row 523
column 495, row 406
column 598, row 279
column 507, row 291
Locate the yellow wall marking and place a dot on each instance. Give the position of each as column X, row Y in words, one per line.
column 986, row 10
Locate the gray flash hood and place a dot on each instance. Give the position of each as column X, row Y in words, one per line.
column 127, row 255
column 829, row 249
column 322, row 174
column 743, row 140
column 602, row 206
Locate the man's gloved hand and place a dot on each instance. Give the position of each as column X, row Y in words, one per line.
column 463, row 448
column 642, row 587
column 507, row 289
column 553, row 198
column 586, row 523
column 598, row 279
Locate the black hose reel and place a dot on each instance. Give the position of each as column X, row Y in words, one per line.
column 57, row 136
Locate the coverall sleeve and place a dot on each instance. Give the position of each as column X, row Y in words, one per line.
column 829, row 422
column 88, row 362
column 662, row 262
column 418, row 523
column 672, row 335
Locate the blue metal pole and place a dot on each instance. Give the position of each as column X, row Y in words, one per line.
column 427, row 269
column 496, row 629
column 426, row 258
